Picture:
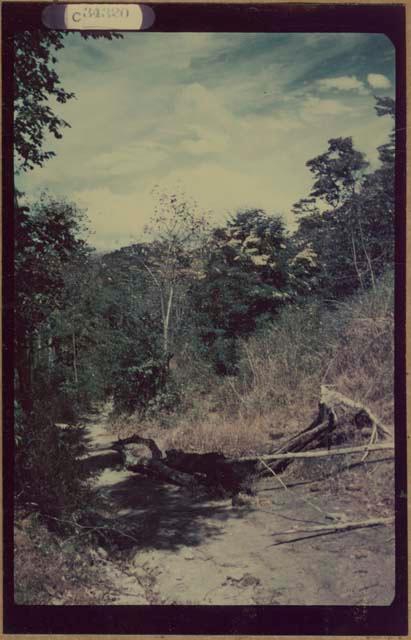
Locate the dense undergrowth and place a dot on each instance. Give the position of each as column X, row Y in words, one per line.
column 349, row 345
column 50, row 569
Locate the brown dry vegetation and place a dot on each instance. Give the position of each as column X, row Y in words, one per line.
column 48, row 568
column 349, row 346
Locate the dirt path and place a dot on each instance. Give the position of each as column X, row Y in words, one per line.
column 183, row 550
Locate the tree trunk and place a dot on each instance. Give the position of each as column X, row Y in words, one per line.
column 74, row 358
column 166, row 321
column 354, row 254
column 367, row 257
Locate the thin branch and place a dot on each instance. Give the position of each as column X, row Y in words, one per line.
column 300, row 498
column 328, row 475
column 371, row 445
column 328, row 529
column 105, row 528
column 320, row 453
column 151, row 274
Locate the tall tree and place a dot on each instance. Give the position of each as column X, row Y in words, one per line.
column 36, row 84
column 246, row 279
column 48, row 237
column 332, row 220
column 178, row 232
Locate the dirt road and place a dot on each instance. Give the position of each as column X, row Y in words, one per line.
column 180, row 549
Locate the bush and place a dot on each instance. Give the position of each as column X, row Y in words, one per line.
column 46, row 470
column 349, row 345
column 146, row 388
column 281, row 368
column 51, row 570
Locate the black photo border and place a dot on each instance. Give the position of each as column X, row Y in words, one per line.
column 387, row 19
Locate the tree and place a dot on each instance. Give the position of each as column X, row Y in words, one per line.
column 135, row 328
column 174, row 256
column 337, row 172
column 48, row 237
column 378, row 198
column 245, row 280
column 36, row 81
column 331, row 222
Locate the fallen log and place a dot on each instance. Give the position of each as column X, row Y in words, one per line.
column 158, row 470
column 94, row 463
column 193, row 470
column 337, row 417
column 156, row 452
column 214, row 470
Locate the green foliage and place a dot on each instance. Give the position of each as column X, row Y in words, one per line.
column 145, row 388
column 337, row 172
column 244, row 279
column 346, row 225
column 36, row 81
column 48, row 240
column 46, row 471
column 139, row 368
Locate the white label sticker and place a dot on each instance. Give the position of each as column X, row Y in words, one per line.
column 116, row 17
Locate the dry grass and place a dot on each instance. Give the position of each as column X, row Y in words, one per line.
column 281, row 370
column 350, row 347
column 48, row 570
column 216, row 432
column 233, row 437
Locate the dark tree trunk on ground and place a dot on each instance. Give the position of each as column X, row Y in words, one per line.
column 337, row 416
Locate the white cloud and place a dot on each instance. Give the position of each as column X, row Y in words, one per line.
column 378, row 81
column 342, row 83
column 203, row 141
column 195, row 102
column 129, row 159
column 315, row 107
column 222, row 190
column 115, row 219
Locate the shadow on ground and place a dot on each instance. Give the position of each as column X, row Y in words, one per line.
column 140, row 513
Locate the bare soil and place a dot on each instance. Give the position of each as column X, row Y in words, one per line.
column 180, row 548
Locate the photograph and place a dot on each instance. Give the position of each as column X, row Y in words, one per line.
column 205, row 303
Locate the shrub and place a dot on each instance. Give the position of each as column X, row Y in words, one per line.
column 46, row 470
column 349, row 346
column 145, row 388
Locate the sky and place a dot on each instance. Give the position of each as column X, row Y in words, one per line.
column 228, row 119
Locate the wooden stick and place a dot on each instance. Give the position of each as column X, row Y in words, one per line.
column 299, row 498
column 373, row 440
column 334, row 528
column 321, row 453
column 299, row 444
column 322, row 478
